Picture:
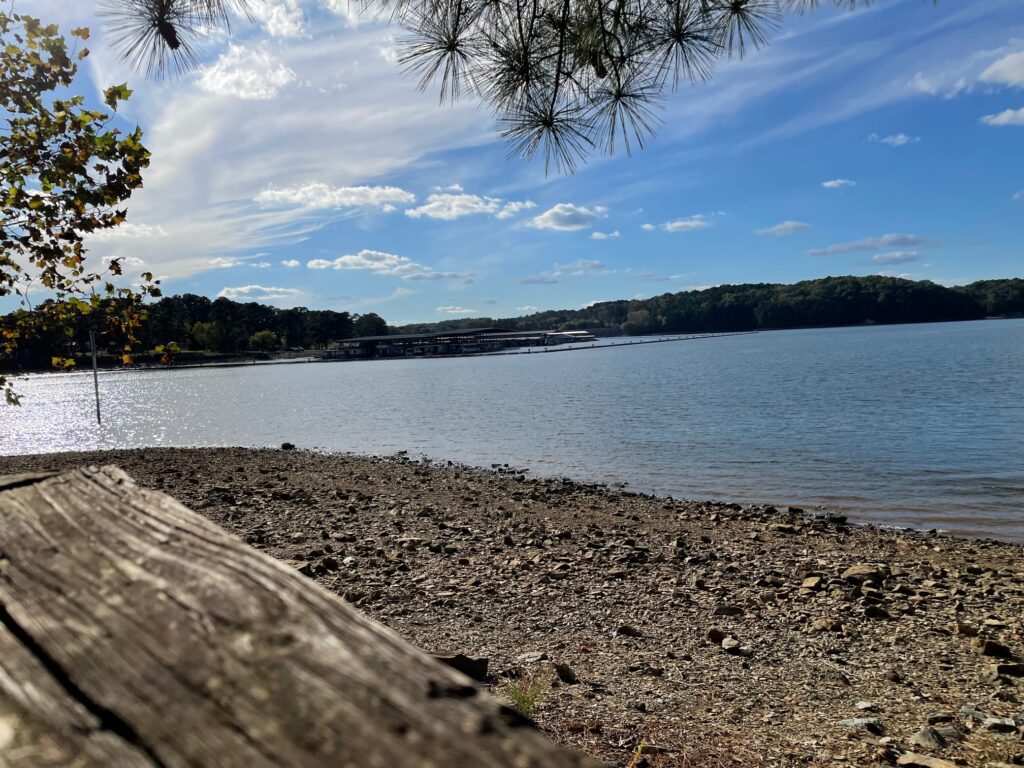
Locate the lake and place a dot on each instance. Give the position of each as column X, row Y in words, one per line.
column 916, row 425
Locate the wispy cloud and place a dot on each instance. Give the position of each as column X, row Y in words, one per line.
column 871, row 244
column 291, row 263
column 895, row 257
column 1007, row 117
column 838, row 184
column 456, row 311
column 528, row 308
column 787, row 227
column 687, row 224
column 127, row 231
column 895, row 140
column 1009, row 70
column 1018, row 195
column 225, row 262
column 604, row 235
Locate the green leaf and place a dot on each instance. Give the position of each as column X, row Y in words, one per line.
column 116, row 93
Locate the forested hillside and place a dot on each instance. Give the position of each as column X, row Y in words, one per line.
column 225, row 326
column 829, row 301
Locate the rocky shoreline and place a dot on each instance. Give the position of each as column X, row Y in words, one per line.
column 649, row 631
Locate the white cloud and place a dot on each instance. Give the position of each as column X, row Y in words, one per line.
column 1009, row 70
column 838, row 184
column 280, row 18
column 528, row 308
column 871, row 244
column 225, row 262
column 319, row 196
column 388, row 264
column 604, row 235
column 895, row 140
column 254, row 75
column 895, row 257
column 291, row 263
column 127, row 231
column 1007, row 117
column 126, row 261
column 347, row 9
column 566, row 217
column 211, row 157
column 1019, row 195
column 448, row 207
column 259, row 293
column 787, row 227
column 544, row 278
column 513, row 207
column 262, row 265
column 688, row 224
column 648, row 227
column 456, row 311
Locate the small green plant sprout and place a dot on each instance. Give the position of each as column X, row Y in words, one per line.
column 527, row 691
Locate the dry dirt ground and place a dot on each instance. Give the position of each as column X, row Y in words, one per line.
column 649, row 631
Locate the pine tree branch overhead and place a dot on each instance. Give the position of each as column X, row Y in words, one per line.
column 564, row 78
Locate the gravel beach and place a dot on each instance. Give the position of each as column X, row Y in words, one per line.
column 650, row 631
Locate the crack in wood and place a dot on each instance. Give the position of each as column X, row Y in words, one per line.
column 108, row 719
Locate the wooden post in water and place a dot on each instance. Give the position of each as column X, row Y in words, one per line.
column 95, row 375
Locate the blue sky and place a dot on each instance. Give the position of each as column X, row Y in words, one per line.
column 299, row 167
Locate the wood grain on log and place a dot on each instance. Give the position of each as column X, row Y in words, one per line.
column 135, row 633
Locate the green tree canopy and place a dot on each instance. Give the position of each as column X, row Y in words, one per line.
column 264, row 341
column 64, row 173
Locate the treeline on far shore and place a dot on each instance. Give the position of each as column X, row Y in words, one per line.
column 829, row 301
column 200, row 326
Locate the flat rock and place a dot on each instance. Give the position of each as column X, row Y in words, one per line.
column 928, row 738
column 861, row 573
column 914, row 760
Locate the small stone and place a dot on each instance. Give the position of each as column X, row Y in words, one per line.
column 866, row 706
column 971, row 713
column 1008, row 669
column 626, row 630
column 811, row 582
column 825, row 625
column 913, row 760
column 988, row 647
column 566, row 674
column 716, row 636
column 874, row 611
column 928, row 738
column 861, row 573
column 869, row 724
column 1000, row 724
column 531, row 657
column 728, row 610
column 731, row 645
column 475, row 668
column 287, row 446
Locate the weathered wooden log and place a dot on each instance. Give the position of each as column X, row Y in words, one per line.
column 135, row 633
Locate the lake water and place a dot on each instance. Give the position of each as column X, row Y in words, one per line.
column 916, row 425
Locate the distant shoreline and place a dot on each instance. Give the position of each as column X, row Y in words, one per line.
column 240, row 361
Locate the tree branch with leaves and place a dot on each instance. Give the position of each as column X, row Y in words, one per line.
column 64, row 174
